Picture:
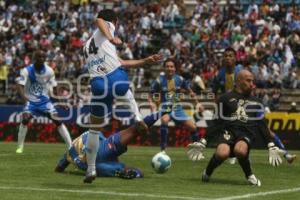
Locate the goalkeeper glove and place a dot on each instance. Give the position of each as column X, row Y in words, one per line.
column 274, row 154
column 195, row 150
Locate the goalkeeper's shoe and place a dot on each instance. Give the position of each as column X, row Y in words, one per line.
column 254, row 181
column 90, row 177
column 290, row 157
column 19, row 150
column 205, row 177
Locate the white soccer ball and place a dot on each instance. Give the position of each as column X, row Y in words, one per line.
column 161, row 162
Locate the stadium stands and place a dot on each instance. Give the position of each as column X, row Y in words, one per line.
column 194, row 32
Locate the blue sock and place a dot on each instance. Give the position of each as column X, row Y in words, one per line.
column 194, row 136
column 151, row 119
column 278, row 142
column 163, row 136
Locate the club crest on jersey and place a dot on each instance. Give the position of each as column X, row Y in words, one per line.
column 36, row 89
column 226, row 135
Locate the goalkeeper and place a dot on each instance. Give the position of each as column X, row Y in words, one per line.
column 107, row 163
column 238, row 124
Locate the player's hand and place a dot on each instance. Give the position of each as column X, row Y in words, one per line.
column 274, row 154
column 116, row 41
column 154, row 59
column 195, row 150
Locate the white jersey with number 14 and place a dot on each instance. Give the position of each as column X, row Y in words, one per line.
column 100, row 54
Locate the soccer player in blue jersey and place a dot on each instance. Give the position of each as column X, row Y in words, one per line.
column 107, row 163
column 108, row 80
column 168, row 88
column 35, row 81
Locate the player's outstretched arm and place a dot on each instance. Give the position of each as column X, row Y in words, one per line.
column 150, row 60
column 102, row 25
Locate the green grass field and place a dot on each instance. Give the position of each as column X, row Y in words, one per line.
column 31, row 176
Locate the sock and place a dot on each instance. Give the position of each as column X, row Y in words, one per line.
column 64, row 133
column 278, row 142
column 245, row 164
column 151, row 119
column 92, row 146
column 194, row 136
column 133, row 106
column 213, row 164
column 163, row 136
column 21, row 135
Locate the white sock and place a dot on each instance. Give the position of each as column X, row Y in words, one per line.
column 92, row 146
column 133, row 106
column 21, row 135
column 64, row 133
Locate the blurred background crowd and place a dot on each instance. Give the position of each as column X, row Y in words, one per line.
column 264, row 33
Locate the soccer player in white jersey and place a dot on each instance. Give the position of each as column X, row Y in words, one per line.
column 108, row 79
column 35, row 81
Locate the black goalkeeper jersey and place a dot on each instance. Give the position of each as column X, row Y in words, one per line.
column 240, row 113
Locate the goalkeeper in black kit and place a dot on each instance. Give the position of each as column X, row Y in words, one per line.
column 238, row 121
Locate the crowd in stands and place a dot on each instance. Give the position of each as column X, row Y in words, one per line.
column 265, row 36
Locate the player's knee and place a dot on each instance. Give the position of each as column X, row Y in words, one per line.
column 192, row 128
column 222, row 155
column 241, row 149
column 164, row 121
column 223, row 152
column 241, row 152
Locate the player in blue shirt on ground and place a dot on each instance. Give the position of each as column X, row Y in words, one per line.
column 35, row 82
column 107, row 163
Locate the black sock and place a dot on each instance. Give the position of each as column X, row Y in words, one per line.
column 245, row 164
column 213, row 164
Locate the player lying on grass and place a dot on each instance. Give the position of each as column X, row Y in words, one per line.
column 107, row 163
column 238, row 122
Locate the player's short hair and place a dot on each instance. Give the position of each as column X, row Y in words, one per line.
column 108, row 15
column 39, row 55
column 230, row 49
column 169, row 60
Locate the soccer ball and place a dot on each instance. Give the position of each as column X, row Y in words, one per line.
column 161, row 162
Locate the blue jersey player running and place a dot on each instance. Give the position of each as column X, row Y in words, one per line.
column 34, row 82
column 108, row 80
column 107, row 163
column 168, row 88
